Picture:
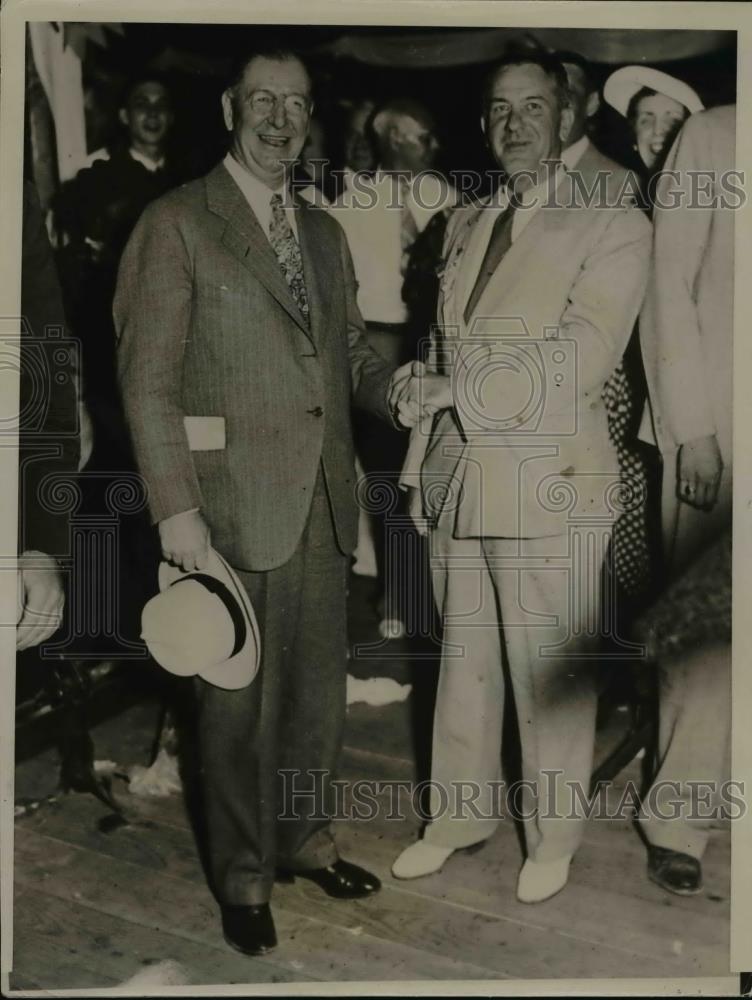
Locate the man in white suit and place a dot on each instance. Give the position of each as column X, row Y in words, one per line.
column 686, row 334
column 538, row 297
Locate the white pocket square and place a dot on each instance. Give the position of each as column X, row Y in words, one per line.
column 205, row 433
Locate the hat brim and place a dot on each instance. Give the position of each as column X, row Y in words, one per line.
column 239, row 670
column 622, row 85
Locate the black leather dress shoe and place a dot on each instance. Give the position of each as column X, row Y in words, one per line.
column 249, row 929
column 672, row 870
column 341, row 880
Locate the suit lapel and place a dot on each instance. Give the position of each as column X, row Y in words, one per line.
column 494, row 291
column 244, row 238
column 455, row 275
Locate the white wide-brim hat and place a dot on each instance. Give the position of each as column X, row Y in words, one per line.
column 202, row 623
column 622, row 85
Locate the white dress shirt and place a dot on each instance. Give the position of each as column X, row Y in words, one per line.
column 151, row 165
column 104, row 154
column 572, row 155
column 259, row 196
column 371, row 216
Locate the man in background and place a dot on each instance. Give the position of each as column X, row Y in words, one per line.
column 96, row 213
column 382, row 219
column 686, row 332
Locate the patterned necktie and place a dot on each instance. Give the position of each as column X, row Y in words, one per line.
column 288, row 254
column 500, row 242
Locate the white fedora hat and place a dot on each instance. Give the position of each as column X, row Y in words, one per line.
column 203, row 623
column 622, row 85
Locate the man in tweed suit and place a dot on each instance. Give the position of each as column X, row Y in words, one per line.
column 687, row 340
column 241, row 353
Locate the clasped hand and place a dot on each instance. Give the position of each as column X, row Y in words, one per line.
column 415, row 393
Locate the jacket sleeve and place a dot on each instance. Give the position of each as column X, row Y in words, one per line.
column 606, row 298
column 152, row 313
column 670, row 314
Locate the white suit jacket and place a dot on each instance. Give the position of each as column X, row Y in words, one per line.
column 525, row 447
column 686, row 325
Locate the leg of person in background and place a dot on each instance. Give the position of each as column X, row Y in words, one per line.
column 695, row 725
column 364, row 557
column 382, row 451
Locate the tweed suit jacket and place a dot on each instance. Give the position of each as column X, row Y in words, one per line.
column 686, row 325
column 210, row 331
column 526, row 447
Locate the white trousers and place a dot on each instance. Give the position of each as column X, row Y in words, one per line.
column 535, row 603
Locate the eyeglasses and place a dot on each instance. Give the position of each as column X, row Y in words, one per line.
column 263, row 102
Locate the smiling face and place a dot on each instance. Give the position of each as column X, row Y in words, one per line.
column 268, row 112
column 148, row 114
column 524, row 121
column 656, row 119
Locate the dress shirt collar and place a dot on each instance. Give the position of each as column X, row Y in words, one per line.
column 572, row 155
column 531, row 200
column 533, row 197
column 151, row 165
column 259, row 196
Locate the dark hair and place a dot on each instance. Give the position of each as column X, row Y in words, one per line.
column 143, row 76
column 274, row 52
column 635, row 99
column 523, row 56
column 575, row 59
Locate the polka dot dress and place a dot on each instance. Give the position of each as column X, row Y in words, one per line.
column 632, row 558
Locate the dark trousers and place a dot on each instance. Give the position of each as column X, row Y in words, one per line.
column 289, row 719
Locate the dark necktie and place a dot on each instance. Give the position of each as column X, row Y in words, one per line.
column 500, row 242
column 288, row 254
column 408, row 226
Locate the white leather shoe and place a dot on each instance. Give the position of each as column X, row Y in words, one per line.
column 539, row 880
column 420, row 859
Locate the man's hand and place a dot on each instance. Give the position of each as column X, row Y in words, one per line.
column 185, row 540
column 699, row 472
column 415, row 510
column 415, row 393
column 41, row 598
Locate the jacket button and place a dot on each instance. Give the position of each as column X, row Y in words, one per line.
column 316, row 412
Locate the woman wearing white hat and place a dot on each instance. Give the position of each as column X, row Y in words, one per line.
column 655, row 105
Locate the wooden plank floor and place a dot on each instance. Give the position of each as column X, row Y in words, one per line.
column 94, row 908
